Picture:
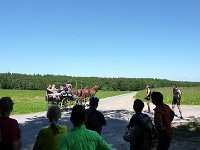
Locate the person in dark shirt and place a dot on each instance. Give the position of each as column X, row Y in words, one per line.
column 95, row 119
column 10, row 133
column 142, row 138
column 177, row 99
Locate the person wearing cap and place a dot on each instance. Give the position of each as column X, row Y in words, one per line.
column 95, row 119
column 81, row 138
column 10, row 133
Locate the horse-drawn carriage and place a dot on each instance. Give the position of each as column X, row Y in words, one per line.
column 65, row 98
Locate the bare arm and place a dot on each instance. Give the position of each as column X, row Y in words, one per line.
column 179, row 93
column 148, row 92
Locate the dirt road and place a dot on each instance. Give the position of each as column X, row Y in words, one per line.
column 117, row 110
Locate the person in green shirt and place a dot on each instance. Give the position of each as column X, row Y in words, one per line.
column 81, row 138
column 49, row 138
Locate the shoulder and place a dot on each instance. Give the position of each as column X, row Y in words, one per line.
column 145, row 115
column 43, row 131
column 134, row 116
column 134, row 119
column 99, row 113
column 90, row 111
column 12, row 121
column 158, row 109
column 63, row 128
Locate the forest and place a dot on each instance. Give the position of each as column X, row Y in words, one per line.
column 40, row 82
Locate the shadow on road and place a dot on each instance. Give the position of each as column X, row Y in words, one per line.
column 114, row 130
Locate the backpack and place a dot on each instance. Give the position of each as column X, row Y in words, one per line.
column 142, row 132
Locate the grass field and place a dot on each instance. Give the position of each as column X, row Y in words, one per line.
column 30, row 101
column 190, row 95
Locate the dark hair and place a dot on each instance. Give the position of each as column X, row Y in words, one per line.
column 93, row 101
column 138, row 105
column 78, row 115
column 157, row 98
column 6, row 105
column 53, row 114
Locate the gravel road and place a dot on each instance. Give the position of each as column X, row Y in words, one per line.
column 117, row 110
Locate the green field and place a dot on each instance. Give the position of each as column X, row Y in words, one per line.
column 30, row 101
column 190, row 95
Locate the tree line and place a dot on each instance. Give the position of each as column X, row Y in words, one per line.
column 40, row 82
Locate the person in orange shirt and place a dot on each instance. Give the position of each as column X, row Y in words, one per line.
column 163, row 116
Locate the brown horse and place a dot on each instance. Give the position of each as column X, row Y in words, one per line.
column 83, row 94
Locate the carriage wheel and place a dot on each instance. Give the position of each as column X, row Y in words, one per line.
column 78, row 101
column 64, row 104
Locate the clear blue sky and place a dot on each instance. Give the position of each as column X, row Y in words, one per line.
column 101, row 38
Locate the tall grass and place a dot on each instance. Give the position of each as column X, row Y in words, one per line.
column 190, row 95
column 30, row 101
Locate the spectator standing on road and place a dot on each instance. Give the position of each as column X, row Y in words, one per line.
column 163, row 116
column 81, row 138
column 95, row 119
column 10, row 133
column 49, row 138
column 177, row 99
column 142, row 128
column 148, row 97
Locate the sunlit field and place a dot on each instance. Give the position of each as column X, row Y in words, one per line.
column 30, row 101
column 190, row 95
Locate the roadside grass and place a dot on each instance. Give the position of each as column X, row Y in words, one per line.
column 190, row 130
column 190, row 95
column 31, row 101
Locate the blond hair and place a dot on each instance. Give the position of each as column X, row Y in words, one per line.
column 53, row 114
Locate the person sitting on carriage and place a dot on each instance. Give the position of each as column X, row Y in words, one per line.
column 49, row 91
column 53, row 93
column 69, row 87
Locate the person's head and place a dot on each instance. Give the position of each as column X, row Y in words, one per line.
column 78, row 115
column 94, row 101
column 53, row 113
column 174, row 86
column 138, row 105
column 6, row 106
column 157, row 98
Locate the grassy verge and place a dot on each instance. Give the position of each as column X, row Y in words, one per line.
column 190, row 95
column 190, row 130
column 30, row 101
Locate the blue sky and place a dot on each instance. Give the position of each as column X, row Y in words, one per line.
column 101, row 38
